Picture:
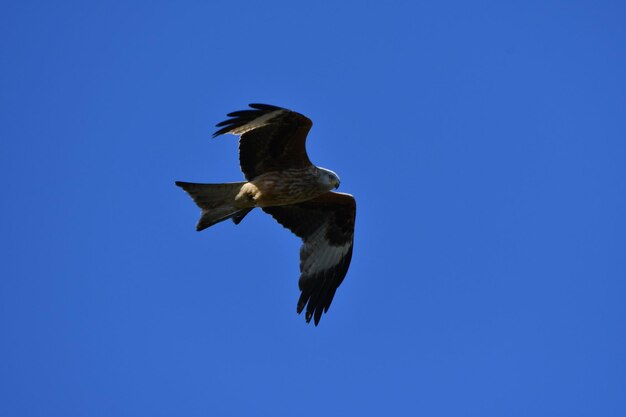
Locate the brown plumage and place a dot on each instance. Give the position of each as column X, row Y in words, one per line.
column 285, row 184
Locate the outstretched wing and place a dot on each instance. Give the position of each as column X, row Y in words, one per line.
column 272, row 138
column 326, row 226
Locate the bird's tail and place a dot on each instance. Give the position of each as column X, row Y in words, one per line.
column 217, row 202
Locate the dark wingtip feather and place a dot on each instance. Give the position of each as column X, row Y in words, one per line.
column 241, row 117
column 302, row 302
column 224, row 129
column 225, row 122
column 261, row 106
column 242, row 113
column 318, row 316
column 304, row 297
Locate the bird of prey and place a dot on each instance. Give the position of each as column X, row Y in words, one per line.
column 282, row 181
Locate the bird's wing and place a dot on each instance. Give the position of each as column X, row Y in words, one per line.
column 326, row 226
column 271, row 138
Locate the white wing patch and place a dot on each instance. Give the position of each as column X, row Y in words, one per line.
column 320, row 254
column 258, row 122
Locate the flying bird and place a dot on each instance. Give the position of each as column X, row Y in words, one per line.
column 282, row 181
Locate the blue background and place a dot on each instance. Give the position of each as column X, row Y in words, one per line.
column 485, row 143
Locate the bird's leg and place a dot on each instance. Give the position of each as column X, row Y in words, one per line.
column 248, row 195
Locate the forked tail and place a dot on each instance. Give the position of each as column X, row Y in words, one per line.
column 217, row 202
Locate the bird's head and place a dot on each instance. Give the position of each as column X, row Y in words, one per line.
column 329, row 179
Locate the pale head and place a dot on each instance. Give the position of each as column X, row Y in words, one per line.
column 328, row 179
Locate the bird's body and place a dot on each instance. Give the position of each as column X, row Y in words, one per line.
column 284, row 183
column 278, row 188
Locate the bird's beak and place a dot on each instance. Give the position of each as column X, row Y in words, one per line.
column 337, row 184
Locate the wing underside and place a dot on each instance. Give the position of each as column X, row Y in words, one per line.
column 271, row 138
column 326, row 227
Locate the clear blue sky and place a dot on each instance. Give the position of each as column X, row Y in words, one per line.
column 485, row 143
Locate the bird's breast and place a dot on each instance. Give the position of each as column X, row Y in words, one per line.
column 286, row 187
